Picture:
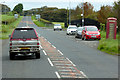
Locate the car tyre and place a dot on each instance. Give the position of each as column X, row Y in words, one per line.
column 12, row 56
column 54, row 29
column 99, row 39
column 37, row 55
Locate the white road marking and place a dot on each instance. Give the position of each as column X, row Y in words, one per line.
column 57, row 74
column 53, row 46
column 41, row 47
column 49, row 42
column 46, row 39
column 44, row 52
column 60, row 52
column 71, row 62
column 83, row 74
column 50, row 62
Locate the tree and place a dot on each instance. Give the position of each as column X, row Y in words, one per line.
column 18, row 8
column 116, row 10
column 88, row 9
column 104, row 13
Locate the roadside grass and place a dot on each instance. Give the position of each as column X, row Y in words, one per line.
column 38, row 23
column 109, row 46
column 6, row 30
column 46, row 23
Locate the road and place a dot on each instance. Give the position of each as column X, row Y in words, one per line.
column 80, row 55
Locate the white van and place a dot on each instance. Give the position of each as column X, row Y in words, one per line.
column 57, row 27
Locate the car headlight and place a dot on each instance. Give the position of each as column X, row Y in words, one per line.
column 98, row 33
column 87, row 33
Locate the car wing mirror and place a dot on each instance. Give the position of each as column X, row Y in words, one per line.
column 98, row 30
column 9, row 36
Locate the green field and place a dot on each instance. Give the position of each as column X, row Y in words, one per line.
column 6, row 30
column 109, row 46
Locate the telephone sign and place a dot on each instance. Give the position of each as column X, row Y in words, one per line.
column 111, row 28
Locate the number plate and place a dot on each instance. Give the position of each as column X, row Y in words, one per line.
column 93, row 36
column 24, row 48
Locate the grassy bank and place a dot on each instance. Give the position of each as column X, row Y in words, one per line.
column 7, row 29
column 45, row 23
column 109, row 46
column 38, row 23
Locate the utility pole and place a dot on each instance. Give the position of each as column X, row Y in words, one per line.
column 82, row 13
column 69, row 13
column 67, row 16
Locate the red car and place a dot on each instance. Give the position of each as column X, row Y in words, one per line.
column 90, row 32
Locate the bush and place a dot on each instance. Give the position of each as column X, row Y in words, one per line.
column 4, row 29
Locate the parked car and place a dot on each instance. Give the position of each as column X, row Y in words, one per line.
column 71, row 30
column 90, row 32
column 79, row 32
column 24, row 42
column 57, row 27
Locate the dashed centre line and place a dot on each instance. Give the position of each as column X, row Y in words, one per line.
column 53, row 46
column 60, row 52
column 57, row 74
column 50, row 62
column 65, row 67
column 44, row 52
column 71, row 62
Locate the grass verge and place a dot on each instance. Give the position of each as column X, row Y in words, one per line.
column 5, row 30
column 109, row 46
column 38, row 23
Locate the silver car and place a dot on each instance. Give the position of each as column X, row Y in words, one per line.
column 79, row 32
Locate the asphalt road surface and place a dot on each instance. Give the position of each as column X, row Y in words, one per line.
column 83, row 55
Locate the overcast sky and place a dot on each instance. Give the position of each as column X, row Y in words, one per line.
column 29, row 4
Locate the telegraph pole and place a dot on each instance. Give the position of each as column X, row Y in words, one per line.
column 82, row 13
column 69, row 13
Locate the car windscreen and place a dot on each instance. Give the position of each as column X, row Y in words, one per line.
column 57, row 25
column 24, row 34
column 72, row 27
column 92, row 29
column 80, row 29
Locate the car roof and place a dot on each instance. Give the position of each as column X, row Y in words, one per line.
column 80, row 27
column 72, row 26
column 89, row 26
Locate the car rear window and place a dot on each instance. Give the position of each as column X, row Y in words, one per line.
column 24, row 34
column 57, row 25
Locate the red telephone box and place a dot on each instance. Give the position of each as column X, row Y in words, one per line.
column 111, row 28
